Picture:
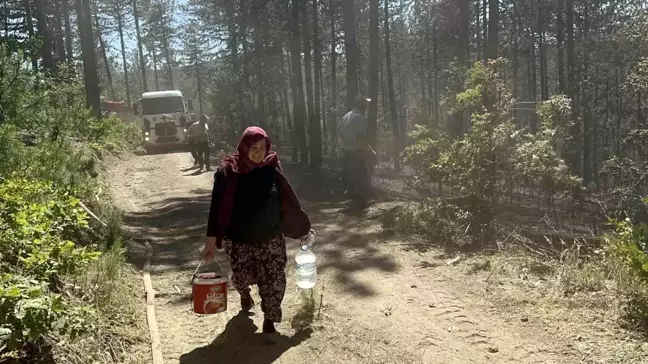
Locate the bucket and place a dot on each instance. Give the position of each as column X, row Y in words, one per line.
column 209, row 293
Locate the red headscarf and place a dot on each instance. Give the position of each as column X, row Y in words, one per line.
column 295, row 223
column 239, row 161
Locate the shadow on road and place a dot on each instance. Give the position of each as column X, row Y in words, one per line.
column 239, row 343
column 176, row 228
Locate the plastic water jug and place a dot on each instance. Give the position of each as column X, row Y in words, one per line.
column 305, row 267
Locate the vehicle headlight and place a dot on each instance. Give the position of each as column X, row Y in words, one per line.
column 185, row 130
column 146, row 133
column 146, row 139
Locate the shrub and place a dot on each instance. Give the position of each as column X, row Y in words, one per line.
column 627, row 245
column 485, row 165
column 440, row 221
column 37, row 223
column 49, row 150
column 48, row 133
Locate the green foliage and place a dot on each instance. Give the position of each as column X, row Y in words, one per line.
column 37, row 222
column 47, row 131
column 629, row 242
column 628, row 246
column 49, row 150
column 555, row 115
column 440, row 221
column 495, row 156
column 423, row 153
column 628, row 183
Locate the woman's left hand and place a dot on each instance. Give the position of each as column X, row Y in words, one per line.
column 305, row 238
column 209, row 249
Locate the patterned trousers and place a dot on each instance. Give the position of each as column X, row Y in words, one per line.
column 264, row 265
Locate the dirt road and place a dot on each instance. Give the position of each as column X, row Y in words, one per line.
column 377, row 300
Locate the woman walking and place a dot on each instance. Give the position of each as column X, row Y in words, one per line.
column 253, row 207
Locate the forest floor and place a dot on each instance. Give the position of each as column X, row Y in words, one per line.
column 380, row 298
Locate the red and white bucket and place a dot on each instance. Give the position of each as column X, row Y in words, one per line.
column 209, row 293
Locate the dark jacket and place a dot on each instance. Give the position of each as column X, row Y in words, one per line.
column 264, row 207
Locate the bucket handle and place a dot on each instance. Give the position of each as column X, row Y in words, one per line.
column 193, row 276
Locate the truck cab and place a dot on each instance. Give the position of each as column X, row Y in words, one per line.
column 164, row 119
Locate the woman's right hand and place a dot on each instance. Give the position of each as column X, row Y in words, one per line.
column 209, row 248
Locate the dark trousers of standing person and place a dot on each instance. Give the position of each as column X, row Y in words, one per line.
column 358, row 184
column 202, row 152
column 194, row 151
column 346, row 178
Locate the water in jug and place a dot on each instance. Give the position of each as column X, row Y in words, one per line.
column 305, row 268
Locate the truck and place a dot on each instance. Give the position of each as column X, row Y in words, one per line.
column 164, row 120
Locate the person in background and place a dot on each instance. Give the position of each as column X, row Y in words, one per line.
column 210, row 127
column 199, row 134
column 252, row 208
column 353, row 130
column 190, row 141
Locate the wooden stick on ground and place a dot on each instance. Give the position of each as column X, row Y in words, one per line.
column 150, row 307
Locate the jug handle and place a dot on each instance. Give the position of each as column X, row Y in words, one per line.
column 304, row 240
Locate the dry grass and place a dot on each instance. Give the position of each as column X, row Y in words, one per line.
column 583, row 299
column 118, row 331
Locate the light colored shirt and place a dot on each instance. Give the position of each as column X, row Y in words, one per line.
column 352, row 126
column 199, row 132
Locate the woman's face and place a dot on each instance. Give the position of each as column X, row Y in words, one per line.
column 257, row 151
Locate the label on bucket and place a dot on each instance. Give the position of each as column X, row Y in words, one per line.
column 214, row 302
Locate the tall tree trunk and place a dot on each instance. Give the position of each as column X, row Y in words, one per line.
column 245, row 64
column 104, row 54
column 435, row 55
column 308, row 71
column 478, row 34
column 68, row 33
column 596, row 147
column 351, row 51
column 315, row 125
column 259, row 54
column 140, row 46
column 155, row 66
column 534, row 68
column 374, row 51
column 493, row 28
column 294, row 92
column 299, row 108
column 93, row 93
column 120, row 29
column 30, row 29
column 5, row 15
column 587, row 112
column 43, row 31
column 392, row 97
column 326, row 144
column 484, row 26
column 60, row 34
column 383, row 98
column 236, row 64
column 333, row 114
column 167, row 56
column 572, row 87
column 516, row 61
column 286, row 106
column 560, row 41
column 457, row 126
column 199, row 87
column 544, row 82
column 429, row 107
